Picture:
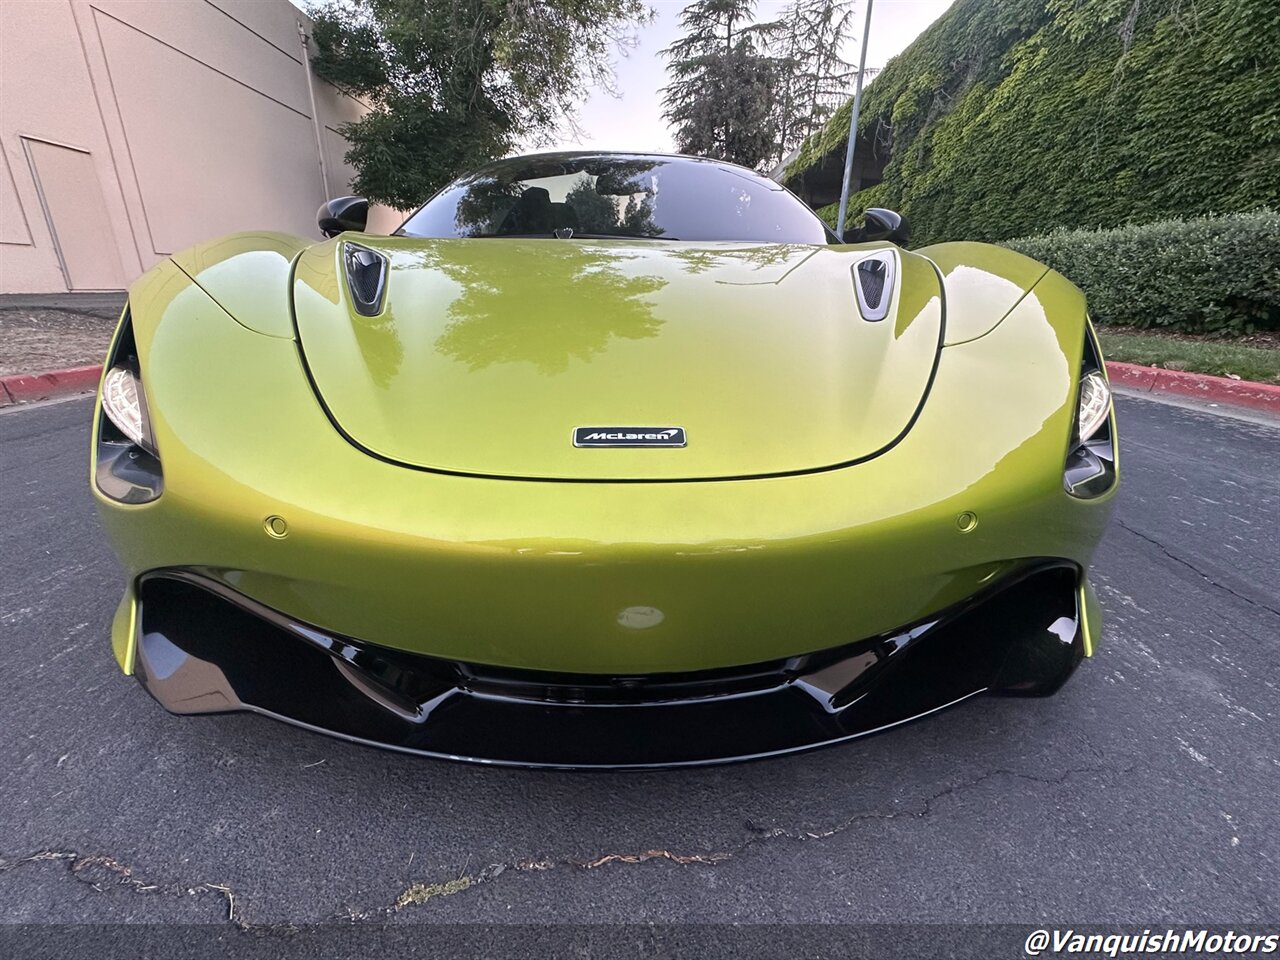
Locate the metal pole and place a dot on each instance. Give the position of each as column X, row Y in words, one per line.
column 315, row 116
column 853, row 126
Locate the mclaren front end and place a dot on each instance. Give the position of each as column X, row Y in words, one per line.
column 602, row 501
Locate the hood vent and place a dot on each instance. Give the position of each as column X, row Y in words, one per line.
column 366, row 278
column 873, row 281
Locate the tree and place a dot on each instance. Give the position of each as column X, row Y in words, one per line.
column 721, row 94
column 813, row 79
column 453, row 83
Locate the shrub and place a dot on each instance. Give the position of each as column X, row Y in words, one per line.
column 1211, row 275
column 1008, row 117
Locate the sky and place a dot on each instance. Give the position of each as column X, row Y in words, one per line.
column 633, row 121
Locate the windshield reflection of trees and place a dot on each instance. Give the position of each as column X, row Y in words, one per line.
column 598, row 213
column 758, row 256
column 568, row 302
column 547, row 302
column 493, row 205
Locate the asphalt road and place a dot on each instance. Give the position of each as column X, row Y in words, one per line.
column 1146, row 792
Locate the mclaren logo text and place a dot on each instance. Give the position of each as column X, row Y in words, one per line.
column 629, row 437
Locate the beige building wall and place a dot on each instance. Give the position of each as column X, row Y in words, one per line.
column 130, row 129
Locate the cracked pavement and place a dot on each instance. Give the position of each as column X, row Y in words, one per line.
column 1144, row 792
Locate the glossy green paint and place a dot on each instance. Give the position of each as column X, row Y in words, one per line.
column 486, row 355
column 983, row 287
column 247, row 274
column 538, row 573
column 1091, row 616
column 124, row 629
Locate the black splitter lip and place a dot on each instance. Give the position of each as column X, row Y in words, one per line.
column 205, row 648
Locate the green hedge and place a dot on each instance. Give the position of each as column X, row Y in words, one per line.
column 1014, row 117
column 1212, row 275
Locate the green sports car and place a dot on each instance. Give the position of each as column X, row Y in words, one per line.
column 602, row 460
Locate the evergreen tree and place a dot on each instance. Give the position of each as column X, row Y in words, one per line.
column 454, row 83
column 813, row 79
column 721, row 95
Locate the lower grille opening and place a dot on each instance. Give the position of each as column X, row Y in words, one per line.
column 205, row 648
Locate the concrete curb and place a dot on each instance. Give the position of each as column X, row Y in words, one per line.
column 30, row 387
column 1198, row 386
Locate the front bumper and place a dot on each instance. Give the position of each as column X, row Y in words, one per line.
column 203, row 647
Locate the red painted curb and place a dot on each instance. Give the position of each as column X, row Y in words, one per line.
column 29, row 387
column 1199, row 386
column 1132, row 375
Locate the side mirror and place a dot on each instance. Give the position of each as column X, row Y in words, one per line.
column 343, row 213
column 882, row 224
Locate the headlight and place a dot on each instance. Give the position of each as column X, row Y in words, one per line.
column 1095, row 405
column 126, row 461
column 123, row 402
column 1090, row 469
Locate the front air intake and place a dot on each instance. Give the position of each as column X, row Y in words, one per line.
column 366, row 278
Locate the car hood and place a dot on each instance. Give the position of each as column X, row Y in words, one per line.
column 487, row 354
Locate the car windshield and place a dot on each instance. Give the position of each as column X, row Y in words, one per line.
column 593, row 197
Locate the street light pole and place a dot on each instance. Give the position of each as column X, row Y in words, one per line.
column 853, row 126
column 315, row 116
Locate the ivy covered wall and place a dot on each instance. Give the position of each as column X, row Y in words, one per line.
column 1008, row 118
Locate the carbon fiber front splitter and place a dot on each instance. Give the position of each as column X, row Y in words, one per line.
column 204, row 648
